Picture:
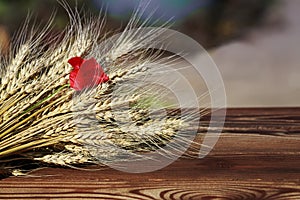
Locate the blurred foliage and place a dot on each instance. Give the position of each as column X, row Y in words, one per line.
column 228, row 19
column 211, row 23
column 14, row 12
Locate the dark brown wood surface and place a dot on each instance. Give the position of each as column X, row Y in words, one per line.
column 257, row 157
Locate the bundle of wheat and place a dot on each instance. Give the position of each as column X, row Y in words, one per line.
column 44, row 118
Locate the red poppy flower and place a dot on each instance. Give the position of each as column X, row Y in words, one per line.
column 86, row 73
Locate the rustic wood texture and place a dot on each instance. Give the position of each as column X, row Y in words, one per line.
column 257, row 157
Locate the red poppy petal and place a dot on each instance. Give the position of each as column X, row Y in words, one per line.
column 76, row 62
column 73, row 82
column 103, row 78
column 106, row 78
column 88, row 74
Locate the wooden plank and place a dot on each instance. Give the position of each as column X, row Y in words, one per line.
column 262, row 161
column 276, row 121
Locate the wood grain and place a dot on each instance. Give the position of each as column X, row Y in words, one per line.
column 257, row 157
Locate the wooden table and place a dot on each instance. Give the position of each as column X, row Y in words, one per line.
column 257, row 157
